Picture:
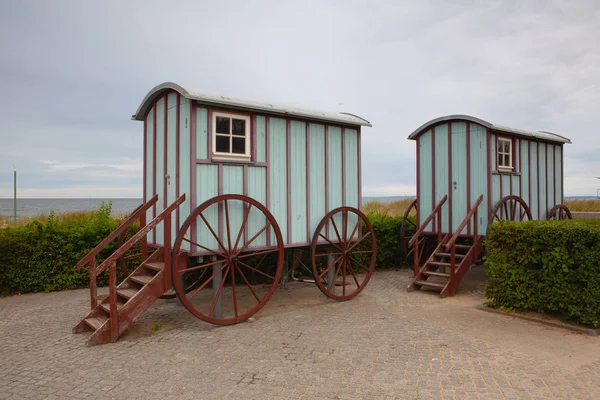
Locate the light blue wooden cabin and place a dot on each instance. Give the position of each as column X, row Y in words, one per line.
column 516, row 174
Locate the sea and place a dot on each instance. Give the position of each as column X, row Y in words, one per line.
column 120, row 206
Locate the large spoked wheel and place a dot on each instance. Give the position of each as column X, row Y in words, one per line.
column 509, row 208
column 409, row 226
column 242, row 260
column 346, row 236
column 560, row 212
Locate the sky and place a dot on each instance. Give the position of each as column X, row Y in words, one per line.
column 73, row 72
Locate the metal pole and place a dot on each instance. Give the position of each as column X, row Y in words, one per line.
column 15, row 195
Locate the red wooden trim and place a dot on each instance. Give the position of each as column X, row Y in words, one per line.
column 145, row 168
column 359, row 168
column 308, row 236
column 165, row 155
column 547, row 180
column 193, row 184
column 520, row 169
column 343, row 166
column 489, row 171
column 529, row 172
column 554, row 175
column 253, row 139
column 326, row 132
column 154, row 110
column 268, row 179
column 433, row 203
column 220, row 192
column 418, row 179
column 469, row 174
column 501, row 176
column 450, row 174
column 288, row 178
column 232, row 163
column 209, row 133
column 538, row 180
column 245, row 194
column 177, row 161
column 562, row 174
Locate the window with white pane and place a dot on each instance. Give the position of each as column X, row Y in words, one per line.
column 231, row 136
column 505, row 153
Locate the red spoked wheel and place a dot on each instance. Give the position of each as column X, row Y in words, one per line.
column 560, row 212
column 242, row 250
column 346, row 236
column 509, row 208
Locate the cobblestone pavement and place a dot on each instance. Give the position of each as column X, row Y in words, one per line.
column 386, row 343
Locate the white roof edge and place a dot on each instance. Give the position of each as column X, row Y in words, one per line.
column 540, row 135
column 225, row 100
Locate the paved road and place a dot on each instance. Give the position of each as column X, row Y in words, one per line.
column 386, row 343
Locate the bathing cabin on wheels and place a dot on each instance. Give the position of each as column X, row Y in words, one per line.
column 470, row 173
column 229, row 186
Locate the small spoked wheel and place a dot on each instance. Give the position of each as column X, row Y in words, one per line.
column 408, row 225
column 240, row 259
column 343, row 253
column 560, row 212
column 509, row 208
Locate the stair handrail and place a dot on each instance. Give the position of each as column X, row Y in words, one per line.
column 472, row 212
column 117, row 232
column 451, row 243
column 421, row 228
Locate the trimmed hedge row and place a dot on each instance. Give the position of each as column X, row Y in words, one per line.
column 41, row 256
column 546, row 266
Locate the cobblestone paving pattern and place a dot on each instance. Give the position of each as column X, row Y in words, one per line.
column 386, row 343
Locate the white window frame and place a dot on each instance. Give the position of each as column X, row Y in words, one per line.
column 231, row 156
column 500, row 154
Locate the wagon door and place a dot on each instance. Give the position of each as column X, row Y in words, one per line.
column 459, row 182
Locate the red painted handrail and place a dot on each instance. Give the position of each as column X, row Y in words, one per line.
column 421, row 229
column 464, row 223
column 116, row 233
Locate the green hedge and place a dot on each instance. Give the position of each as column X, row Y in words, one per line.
column 546, row 266
column 41, row 256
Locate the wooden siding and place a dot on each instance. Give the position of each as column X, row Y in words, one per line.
column 299, row 170
column 537, row 175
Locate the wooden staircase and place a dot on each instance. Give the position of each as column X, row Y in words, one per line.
column 110, row 317
column 445, row 269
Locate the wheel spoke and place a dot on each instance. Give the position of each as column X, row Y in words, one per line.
column 336, row 229
column 195, row 292
column 359, row 240
column 331, row 243
column 233, row 292
column 513, row 211
column 360, row 264
column 354, row 231
column 256, row 270
column 247, row 283
column 354, row 275
column 203, row 247
column 327, row 254
column 362, row 252
column 213, row 232
column 344, row 277
column 255, row 236
column 239, row 236
column 227, row 222
column 331, row 284
column 218, row 294
column 258, row 253
column 344, row 225
column 329, row 267
column 201, row 266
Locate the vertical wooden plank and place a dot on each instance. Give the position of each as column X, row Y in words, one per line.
column 278, row 173
column 298, row 183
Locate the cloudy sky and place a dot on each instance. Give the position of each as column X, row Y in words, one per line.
column 73, row 72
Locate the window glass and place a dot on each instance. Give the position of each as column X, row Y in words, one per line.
column 238, row 145
column 222, row 125
column 239, row 127
column 222, row 144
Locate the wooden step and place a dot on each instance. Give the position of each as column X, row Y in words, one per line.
column 155, row 265
column 464, row 246
column 440, row 264
column 448, row 255
column 141, row 279
column 127, row 293
column 431, row 284
column 438, row 274
column 95, row 322
column 106, row 306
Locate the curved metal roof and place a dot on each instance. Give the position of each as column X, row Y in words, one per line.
column 224, row 100
column 541, row 135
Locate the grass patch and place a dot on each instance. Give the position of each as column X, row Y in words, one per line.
column 394, row 208
column 589, row 205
